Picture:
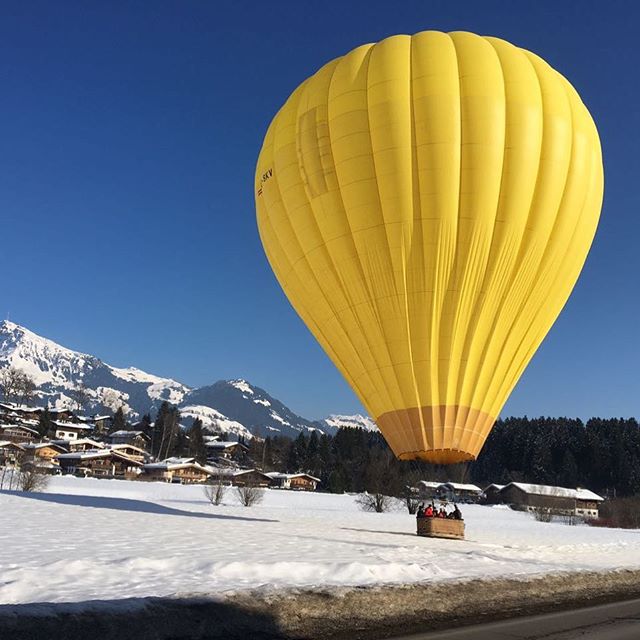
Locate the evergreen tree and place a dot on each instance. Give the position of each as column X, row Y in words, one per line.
column 45, row 425
column 197, row 448
column 292, row 464
column 267, row 455
column 119, row 421
column 158, row 429
column 145, row 425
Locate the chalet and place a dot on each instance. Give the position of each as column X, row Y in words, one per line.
column 99, row 463
column 561, row 500
column 225, row 449
column 102, row 422
column 451, row 491
column 71, row 430
column 135, row 438
column 293, row 481
column 492, row 493
column 10, row 452
column 63, row 415
column 241, row 477
column 43, row 450
column 83, row 444
column 459, row 492
column 179, row 470
column 427, row 490
column 20, row 411
column 135, row 453
column 18, row 433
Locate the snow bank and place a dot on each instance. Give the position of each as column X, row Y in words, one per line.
column 91, row 539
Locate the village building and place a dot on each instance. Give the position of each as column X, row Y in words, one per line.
column 20, row 411
column 99, row 463
column 71, row 430
column 241, row 477
column 136, row 438
column 43, row 450
column 10, row 452
column 492, row 495
column 135, row 453
column 560, row 500
column 449, row 491
column 427, row 490
column 83, row 444
column 225, row 449
column 179, row 470
column 459, row 492
column 18, row 433
column 293, row 481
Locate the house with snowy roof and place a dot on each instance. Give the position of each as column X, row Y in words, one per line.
column 65, row 430
column 135, row 453
column 225, row 448
column 293, row 481
column 104, row 463
column 43, row 450
column 179, row 470
column 18, row 433
column 136, row 438
column 241, row 477
column 10, row 452
column 451, row 491
column 561, row 500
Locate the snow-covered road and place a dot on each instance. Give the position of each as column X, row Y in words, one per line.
column 91, row 539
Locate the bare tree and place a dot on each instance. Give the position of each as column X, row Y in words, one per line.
column 80, row 396
column 248, row 495
column 377, row 502
column 110, row 398
column 543, row 514
column 215, row 492
column 32, row 478
column 16, row 385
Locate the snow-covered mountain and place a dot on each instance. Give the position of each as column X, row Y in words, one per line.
column 213, row 421
column 356, row 421
column 234, row 407
column 253, row 407
column 58, row 372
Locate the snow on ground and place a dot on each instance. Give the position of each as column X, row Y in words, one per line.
column 89, row 539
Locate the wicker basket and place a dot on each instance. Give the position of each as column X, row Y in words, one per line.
column 441, row 528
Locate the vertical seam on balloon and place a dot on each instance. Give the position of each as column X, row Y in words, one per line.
column 415, row 190
column 468, row 289
column 500, row 279
column 405, row 429
column 519, row 261
column 365, row 283
column 544, row 275
column 535, row 339
column 492, row 392
column 319, row 287
column 330, row 261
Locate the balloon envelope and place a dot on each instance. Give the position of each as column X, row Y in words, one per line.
column 427, row 204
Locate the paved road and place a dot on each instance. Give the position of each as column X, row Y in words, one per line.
column 615, row 621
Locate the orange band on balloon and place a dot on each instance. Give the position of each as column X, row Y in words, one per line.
column 442, row 434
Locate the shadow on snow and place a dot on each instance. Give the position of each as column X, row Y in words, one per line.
column 127, row 504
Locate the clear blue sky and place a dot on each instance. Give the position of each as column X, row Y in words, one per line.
column 129, row 134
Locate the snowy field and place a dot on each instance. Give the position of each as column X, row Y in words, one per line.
column 88, row 539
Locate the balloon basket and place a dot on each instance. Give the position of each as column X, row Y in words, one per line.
column 441, row 528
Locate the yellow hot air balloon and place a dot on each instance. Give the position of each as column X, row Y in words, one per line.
column 427, row 204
